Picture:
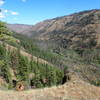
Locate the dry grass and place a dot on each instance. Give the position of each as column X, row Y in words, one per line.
column 73, row 90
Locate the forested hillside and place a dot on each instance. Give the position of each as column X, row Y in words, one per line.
column 15, row 67
column 72, row 46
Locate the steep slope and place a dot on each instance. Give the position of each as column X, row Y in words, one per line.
column 16, row 66
column 23, row 53
column 69, row 31
column 79, row 32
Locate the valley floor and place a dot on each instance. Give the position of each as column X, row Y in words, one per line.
column 73, row 90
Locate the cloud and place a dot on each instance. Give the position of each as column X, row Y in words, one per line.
column 2, row 2
column 24, row 0
column 9, row 12
column 2, row 15
column 14, row 13
column 5, row 13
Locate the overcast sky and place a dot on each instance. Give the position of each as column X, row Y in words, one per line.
column 33, row 11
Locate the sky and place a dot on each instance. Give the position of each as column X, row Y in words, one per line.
column 34, row 11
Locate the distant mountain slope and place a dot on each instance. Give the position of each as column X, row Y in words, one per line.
column 19, row 28
column 67, row 31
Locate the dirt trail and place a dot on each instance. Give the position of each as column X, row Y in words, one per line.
column 73, row 90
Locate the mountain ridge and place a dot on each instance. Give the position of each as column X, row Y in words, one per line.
column 66, row 30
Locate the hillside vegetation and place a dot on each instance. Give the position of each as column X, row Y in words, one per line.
column 61, row 55
column 71, row 41
column 17, row 65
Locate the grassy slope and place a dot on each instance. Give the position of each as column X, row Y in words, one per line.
column 29, row 56
column 73, row 90
column 65, row 58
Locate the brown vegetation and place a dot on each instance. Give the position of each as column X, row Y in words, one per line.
column 73, row 90
column 20, row 86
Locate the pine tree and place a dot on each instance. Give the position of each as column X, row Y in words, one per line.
column 5, row 65
column 37, row 79
column 23, row 68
